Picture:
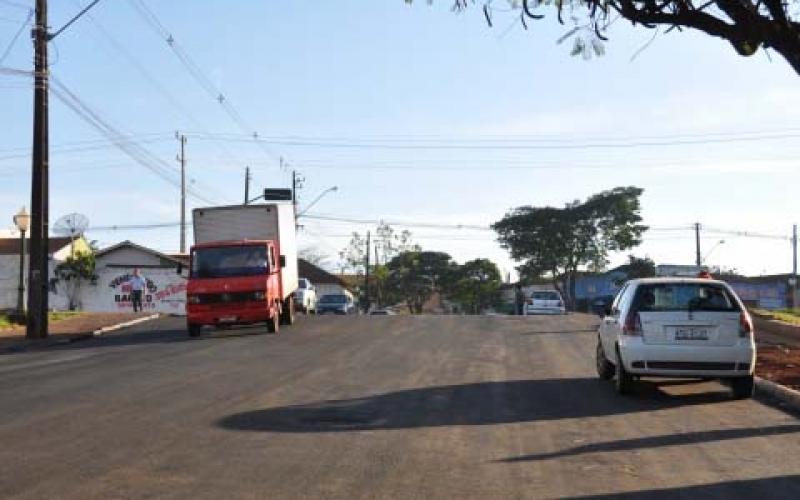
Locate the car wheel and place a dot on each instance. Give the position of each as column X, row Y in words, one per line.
column 605, row 368
column 743, row 387
column 624, row 381
column 194, row 330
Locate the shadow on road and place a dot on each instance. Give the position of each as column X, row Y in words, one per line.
column 560, row 332
column 773, row 488
column 687, row 438
column 484, row 403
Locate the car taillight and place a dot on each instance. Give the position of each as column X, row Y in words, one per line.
column 632, row 325
column 745, row 325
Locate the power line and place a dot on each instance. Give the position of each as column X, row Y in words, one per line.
column 357, row 143
column 199, row 76
column 133, row 149
column 16, row 36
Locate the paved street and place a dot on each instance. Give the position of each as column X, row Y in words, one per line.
column 401, row 407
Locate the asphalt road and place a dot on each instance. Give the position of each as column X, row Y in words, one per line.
column 374, row 407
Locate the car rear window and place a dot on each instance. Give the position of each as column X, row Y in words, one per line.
column 545, row 296
column 684, row 297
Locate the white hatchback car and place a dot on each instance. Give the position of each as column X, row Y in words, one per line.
column 545, row 302
column 677, row 327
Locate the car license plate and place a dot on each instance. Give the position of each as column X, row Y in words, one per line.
column 228, row 319
column 691, row 334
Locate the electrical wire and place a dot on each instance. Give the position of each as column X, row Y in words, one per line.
column 131, row 148
column 198, row 75
column 16, row 36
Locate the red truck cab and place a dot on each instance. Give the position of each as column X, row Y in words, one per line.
column 236, row 283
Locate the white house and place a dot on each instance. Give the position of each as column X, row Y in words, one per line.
column 58, row 250
column 166, row 289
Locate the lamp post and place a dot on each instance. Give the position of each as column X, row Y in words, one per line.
column 329, row 190
column 720, row 242
column 22, row 221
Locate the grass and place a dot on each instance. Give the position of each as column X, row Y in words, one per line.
column 791, row 316
column 5, row 322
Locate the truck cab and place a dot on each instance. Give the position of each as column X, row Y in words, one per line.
column 235, row 283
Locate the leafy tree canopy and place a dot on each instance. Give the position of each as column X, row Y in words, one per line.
column 558, row 241
column 746, row 24
column 477, row 285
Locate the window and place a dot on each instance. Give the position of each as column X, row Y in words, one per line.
column 685, row 297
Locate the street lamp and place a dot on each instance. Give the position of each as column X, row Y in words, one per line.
column 22, row 221
column 720, row 242
column 330, row 189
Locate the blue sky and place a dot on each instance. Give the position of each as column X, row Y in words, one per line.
column 418, row 115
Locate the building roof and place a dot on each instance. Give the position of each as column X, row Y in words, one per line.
column 317, row 275
column 130, row 244
column 10, row 246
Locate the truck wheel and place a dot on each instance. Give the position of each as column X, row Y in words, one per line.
column 288, row 312
column 194, row 330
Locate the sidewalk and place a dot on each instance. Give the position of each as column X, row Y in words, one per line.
column 68, row 330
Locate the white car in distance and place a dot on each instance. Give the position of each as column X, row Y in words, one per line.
column 677, row 327
column 544, row 302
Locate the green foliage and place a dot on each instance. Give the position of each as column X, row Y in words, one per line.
column 556, row 242
column 71, row 274
column 414, row 276
column 637, row 268
column 477, row 285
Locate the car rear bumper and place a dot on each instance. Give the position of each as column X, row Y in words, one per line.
column 688, row 361
column 544, row 310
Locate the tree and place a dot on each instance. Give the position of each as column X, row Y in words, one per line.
column 558, row 241
column 313, row 256
column 414, row 276
column 745, row 24
column 72, row 274
column 477, row 286
column 636, row 268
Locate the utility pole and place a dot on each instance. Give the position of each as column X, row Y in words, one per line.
column 39, row 272
column 699, row 259
column 246, row 184
column 794, row 267
column 297, row 183
column 366, row 278
column 182, row 160
column 377, row 288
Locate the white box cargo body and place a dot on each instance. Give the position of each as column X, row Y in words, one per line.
column 273, row 221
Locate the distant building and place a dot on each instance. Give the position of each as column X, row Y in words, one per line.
column 58, row 250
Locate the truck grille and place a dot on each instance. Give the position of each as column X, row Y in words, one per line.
column 210, row 299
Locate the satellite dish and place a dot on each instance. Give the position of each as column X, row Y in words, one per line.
column 72, row 225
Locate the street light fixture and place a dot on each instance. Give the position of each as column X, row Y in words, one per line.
column 720, row 242
column 329, row 190
column 22, row 220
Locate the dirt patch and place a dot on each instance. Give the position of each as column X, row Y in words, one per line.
column 81, row 324
column 780, row 364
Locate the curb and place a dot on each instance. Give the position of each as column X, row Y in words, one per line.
column 106, row 329
column 789, row 397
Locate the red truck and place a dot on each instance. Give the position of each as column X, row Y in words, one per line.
column 243, row 267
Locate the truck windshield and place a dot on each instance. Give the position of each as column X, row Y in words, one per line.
column 224, row 262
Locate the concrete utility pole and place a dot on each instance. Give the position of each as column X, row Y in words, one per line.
column 699, row 259
column 246, row 184
column 794, row 266
column 182, row 160
column 39, row 268
column 38, row 272
column 366, row 278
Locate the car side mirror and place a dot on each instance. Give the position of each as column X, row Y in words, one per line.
column 607, row 311
column 282, row 260
column 179, row 270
